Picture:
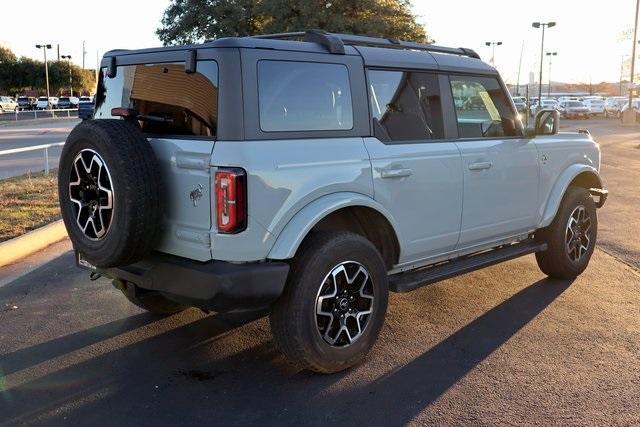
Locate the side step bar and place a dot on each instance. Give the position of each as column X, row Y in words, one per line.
column 412, row 280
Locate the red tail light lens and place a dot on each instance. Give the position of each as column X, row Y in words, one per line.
column 231, row 201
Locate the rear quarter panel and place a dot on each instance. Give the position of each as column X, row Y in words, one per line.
column 283, row 176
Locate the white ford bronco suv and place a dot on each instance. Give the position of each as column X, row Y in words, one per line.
column 311, row 173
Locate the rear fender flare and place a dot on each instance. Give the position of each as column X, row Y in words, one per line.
column 290, row 238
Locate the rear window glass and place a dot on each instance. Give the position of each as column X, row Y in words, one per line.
column 304, row 96
column 42, row 98
column 166, row 99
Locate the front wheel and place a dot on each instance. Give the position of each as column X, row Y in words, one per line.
column 334, row 302
column 571, row 237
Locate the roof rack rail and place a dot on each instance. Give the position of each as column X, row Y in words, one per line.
column 335, row 42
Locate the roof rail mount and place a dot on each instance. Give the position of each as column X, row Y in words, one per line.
column 335, row 42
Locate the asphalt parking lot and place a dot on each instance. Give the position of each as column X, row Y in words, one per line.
column 503, row 345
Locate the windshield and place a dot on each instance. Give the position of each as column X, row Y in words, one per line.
column 596, row 102
column 64, row 99
column 574, row 104
column 42, row 98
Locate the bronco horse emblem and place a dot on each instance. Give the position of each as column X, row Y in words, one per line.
column 196, row 195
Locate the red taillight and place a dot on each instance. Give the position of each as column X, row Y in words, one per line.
column 231, row 203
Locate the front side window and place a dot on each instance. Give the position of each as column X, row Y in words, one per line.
column 304, row 96
column 482, row 109
column 405, row 106
column 166, row 99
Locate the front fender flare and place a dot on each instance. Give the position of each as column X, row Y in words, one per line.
column 560, row 187
column 290, row 238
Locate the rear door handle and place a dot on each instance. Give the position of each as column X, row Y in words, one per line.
column 480, row 166
column 395, row 173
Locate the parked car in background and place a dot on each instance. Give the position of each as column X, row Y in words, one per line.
column 85, row 107
column 8, row 104
column 67, row 102
column 45, row 103
column 547, row 104
column 595, row 106
column 573, row 109
column 26, row 103
column 520, row 104
column 613, row 105
column 636, row 107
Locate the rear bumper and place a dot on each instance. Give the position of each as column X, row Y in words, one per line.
column 216, row 285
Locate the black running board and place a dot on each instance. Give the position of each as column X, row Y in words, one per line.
column 412, row 280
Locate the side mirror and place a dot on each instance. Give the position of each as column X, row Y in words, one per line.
column 547, row 122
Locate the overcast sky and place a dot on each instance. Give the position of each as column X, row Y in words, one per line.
column 588, row 38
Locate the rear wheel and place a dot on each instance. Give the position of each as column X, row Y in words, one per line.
column 334, row 303
column 571, row 237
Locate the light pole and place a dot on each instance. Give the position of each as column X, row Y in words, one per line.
column 550, row 55
column 630, row 115
column 544, row 25
column 68, row 58
column 493, row 50
column 44, row 48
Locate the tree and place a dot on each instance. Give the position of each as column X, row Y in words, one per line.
column 19, row 75
column 188, row 21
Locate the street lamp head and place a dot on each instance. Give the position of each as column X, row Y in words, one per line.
column 551, row 24
column 48, row 46
column 499, row 43
column 487, row 43
column 536, row 25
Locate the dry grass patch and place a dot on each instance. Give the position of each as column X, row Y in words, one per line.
column 27, row 202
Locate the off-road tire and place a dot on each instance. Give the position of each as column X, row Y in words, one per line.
column 293, row 316
column 555, row 262
column 135, row 176
column 151, row 301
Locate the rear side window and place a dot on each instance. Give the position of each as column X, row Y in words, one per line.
column 482, row 109
column 405, row 106
column 304, row 96
column 167, row 100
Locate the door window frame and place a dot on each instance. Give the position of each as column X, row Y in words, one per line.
column 448, row 129
column 453, row 114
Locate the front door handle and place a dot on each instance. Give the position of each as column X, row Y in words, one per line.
column 480, row 166
column 395, row 173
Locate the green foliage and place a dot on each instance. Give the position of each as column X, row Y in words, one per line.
column 18, row 75
column 188, row 21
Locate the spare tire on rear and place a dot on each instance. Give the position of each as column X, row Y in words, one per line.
column 109, row 189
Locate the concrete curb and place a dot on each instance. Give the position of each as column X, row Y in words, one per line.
column 19, row 247
column 27, row 122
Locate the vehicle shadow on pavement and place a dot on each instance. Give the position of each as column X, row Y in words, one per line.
column 31, row 356
column 203, row 372
column 402, row 394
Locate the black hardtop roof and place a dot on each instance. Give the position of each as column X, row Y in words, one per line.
column 376, row 52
